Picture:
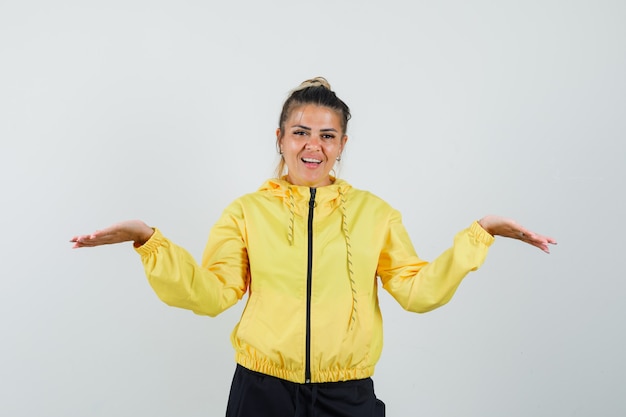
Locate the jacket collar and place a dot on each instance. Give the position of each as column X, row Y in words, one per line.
column 327, row 195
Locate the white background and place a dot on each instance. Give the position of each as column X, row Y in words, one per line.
column 166, row 111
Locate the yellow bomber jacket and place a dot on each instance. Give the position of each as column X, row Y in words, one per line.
column 311, row 272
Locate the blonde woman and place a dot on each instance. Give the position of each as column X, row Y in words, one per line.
column 311, row 252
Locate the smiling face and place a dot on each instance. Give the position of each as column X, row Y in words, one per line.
column 311, row 142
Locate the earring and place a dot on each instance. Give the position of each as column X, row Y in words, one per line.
column 339, row 158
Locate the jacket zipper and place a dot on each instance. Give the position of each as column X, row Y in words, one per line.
column 309, row 282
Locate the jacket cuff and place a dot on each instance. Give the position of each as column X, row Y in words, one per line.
column 480, row 234
column 152, row 244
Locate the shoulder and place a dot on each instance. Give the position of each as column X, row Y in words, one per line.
column 246, row 202
column 366, row 202
column 356, row 195
column 264, row 198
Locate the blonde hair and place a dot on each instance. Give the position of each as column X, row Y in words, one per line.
column 313, row 82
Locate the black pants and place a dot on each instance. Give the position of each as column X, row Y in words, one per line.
column 253, row 394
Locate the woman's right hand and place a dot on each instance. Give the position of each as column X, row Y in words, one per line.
column 134, row 231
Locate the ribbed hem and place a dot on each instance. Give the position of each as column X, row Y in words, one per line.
column 481, row 234
column 333, row 375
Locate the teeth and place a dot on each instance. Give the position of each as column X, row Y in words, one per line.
column 316, row 161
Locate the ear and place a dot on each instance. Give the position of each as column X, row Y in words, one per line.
column 279, row 141
column 344, row 139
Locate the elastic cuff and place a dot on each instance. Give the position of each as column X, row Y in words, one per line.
column 152, row 244
column 481, row 234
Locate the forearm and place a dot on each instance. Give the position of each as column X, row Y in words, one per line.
column 179, row 281
column 427, row 286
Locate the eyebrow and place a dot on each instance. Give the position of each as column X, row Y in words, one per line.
column 328, row 129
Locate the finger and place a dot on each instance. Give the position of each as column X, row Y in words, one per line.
column 86, row 240
column 533, row 239
column 79, row 244
column 541, row 245
column 546, row 240
column 78, row 237
column 89, row 244
column 544, row 246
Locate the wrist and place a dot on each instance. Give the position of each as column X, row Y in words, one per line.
column 483, row 223
column 145, row 233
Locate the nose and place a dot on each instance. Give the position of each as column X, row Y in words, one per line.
column 313, row 143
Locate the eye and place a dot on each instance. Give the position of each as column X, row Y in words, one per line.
column 299, row 132
column 328, row 136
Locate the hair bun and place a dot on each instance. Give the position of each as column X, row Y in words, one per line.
column 314, row 82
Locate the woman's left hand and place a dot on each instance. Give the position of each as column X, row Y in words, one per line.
column 502, row 226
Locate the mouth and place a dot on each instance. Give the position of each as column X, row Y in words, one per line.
column 311, row 161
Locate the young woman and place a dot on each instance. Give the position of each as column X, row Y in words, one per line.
column 310, row 251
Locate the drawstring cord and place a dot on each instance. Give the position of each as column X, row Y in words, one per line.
column 344, row 226
column 292, row 215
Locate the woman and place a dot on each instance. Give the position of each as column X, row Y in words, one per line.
column 308, row 249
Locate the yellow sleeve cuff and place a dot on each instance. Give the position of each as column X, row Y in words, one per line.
column 480, row 234
column 152, row 244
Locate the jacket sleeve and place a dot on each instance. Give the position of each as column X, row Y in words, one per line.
column 420, row 286
column 210, row 288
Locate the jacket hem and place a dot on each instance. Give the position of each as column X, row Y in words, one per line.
column 332, row 375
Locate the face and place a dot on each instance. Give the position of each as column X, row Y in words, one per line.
column 312, row 141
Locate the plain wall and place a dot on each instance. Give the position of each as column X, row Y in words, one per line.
column 167, row 110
